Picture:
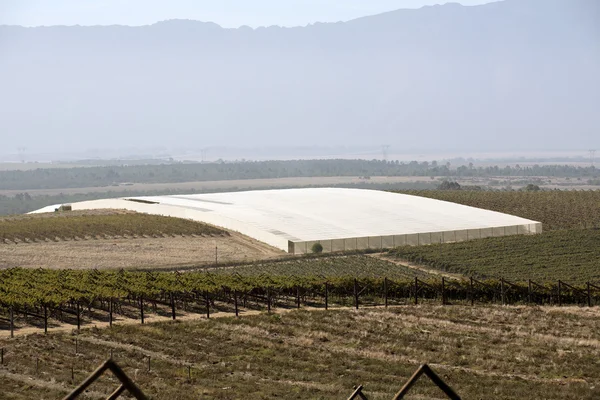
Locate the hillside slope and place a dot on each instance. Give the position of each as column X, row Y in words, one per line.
column 513, row 73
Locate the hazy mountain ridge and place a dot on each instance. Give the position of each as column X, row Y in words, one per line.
column 513, row 74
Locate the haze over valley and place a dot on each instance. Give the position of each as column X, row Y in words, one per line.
column 516, row 74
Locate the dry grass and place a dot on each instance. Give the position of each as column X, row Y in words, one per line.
column 119, row 239
column 135, row 253
column 483, row 352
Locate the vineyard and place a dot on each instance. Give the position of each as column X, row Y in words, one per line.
column 359, row 266
column 67, row 226
column 55, row 288
column 571, row 255
column 554, row 209
column 485, row 352
column 63, row 295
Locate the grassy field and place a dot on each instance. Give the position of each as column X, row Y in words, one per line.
column 482, row 352
column 554, row 209
column 569, row 255
column 83, row 225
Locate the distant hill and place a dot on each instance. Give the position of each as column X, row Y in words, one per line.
column 517, row 74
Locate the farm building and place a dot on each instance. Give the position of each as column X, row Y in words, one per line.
column 339, row 219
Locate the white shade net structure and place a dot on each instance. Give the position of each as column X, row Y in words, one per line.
column 340, row 219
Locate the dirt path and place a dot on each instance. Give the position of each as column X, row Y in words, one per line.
column 417, row 267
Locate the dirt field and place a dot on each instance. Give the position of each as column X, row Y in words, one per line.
column 132, row 252
column 135, row 253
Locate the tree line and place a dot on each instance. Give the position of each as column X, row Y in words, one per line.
column 107, row 176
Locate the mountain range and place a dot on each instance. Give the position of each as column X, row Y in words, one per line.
column 510, row 75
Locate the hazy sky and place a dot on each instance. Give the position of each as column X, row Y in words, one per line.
column 227, row 13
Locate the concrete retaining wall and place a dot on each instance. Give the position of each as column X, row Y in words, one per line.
column 413, row 239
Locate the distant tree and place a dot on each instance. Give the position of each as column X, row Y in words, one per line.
column 317, row 248
column 531, row 188
column 471, row 187
column 449, row 185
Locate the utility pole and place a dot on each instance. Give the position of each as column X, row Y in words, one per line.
column 592, row 156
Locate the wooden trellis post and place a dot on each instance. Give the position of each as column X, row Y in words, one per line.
column 235, row 303
column 385, row 292
column 110, row 312
column 356, row 293
column 471, row 293
column 443, row 291
column 173, row 314
column 416, row 290
column 207, row 299
column 142, row 308
column 12, row 322
column 78, row 316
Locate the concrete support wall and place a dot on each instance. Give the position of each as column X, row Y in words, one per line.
column 500, row 231
column 351, row 244
column 474, row 234
column 449, row 237
column 414, row 239
column 487, row 232
column 338, row 245
column 375, row 242
column 461, row 236
column 387, row 242
column 399, row 240
column 437, row 237
column 424, row 238
column 327, row 246
column 309, row 245
column 362, row 243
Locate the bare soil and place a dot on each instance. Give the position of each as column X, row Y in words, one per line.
column 136, row 253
